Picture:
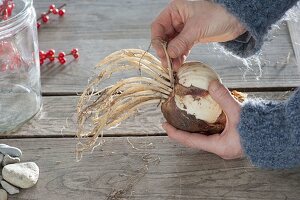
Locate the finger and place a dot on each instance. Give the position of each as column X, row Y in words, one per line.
column 177, row 62
column 193, row 140
column 160, row 29
column 182, row 43
column 223, row 97
column 162, row 25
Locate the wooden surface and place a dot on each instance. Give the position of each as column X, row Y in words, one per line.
column 294, row 29
column 156, row 168
column 58, row 118
column 106, row 26
column 159, row 169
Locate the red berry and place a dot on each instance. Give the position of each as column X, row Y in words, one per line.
column 9, row 10
column 74, row 51
column 51, row 59
column 38, row 25
column 51, row 52
column 62, row 60
column 61, row 12
column 42, row 55
column 61, row 54
column 51, row 7
column 45, row 18
column 41, row 61
column 76, row 55
column 55, row 11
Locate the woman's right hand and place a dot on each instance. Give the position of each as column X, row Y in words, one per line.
column 184, row 23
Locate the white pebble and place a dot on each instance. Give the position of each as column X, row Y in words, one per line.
column 23, row 175
column 9, row 188
column 9, row 160
column 3, row 194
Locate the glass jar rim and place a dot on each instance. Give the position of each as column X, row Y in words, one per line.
column 18, row 18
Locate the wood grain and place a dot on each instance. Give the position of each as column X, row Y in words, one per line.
column 107, row 26
column 181, row 173
column 294, row 29
column 57, row 119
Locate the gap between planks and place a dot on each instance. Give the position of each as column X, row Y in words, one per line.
column 258, row 89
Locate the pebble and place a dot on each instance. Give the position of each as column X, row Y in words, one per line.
column 23, row 175
column 3, row 194
column 9, row 188
column 9, row 160
column 1, row 157
column 12, row 151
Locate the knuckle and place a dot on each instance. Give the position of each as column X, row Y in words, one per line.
column 184, row 43
column 179, row 46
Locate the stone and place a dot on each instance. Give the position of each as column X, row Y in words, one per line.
column 9, row 160
column 23, row 175
column 12, row 151
column 9, row 188
column 1, row 157
column 3, row 194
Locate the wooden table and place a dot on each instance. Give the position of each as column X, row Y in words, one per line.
column 137, row 160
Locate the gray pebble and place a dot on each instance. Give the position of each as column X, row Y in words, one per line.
column 9, row 188
column 12, row 151
column 3, row 194
column 1, row 157
column 9, row 160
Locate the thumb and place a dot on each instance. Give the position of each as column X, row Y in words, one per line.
column 223, row 97
column 182, row 43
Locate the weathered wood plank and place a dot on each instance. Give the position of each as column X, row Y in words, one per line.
column 57, row 119
column 106, row 26
column 294, row 28
column 181, row 173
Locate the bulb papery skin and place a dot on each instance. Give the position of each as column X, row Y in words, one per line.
column 196, row 74
column 190, row 107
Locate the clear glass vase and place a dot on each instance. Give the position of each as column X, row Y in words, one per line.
column 20, row 87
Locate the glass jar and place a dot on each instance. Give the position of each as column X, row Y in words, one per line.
column 20, row 88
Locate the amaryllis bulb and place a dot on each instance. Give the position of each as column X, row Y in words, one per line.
column 190, row 107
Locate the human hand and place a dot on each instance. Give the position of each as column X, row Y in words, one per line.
column 184, row 23
column 227, row 145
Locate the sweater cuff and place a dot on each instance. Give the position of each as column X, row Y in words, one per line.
column 265, row 136
column 257, row 16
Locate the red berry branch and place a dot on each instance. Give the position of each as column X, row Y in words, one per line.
column 6, row 9
column 52, row 10
column 7, row 48
column 61, row 56
column 50, row 54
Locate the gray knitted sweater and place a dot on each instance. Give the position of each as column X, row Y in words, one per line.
column 269, row 130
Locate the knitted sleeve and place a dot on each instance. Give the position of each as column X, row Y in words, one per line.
column 257, row 16
column 270, row 132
